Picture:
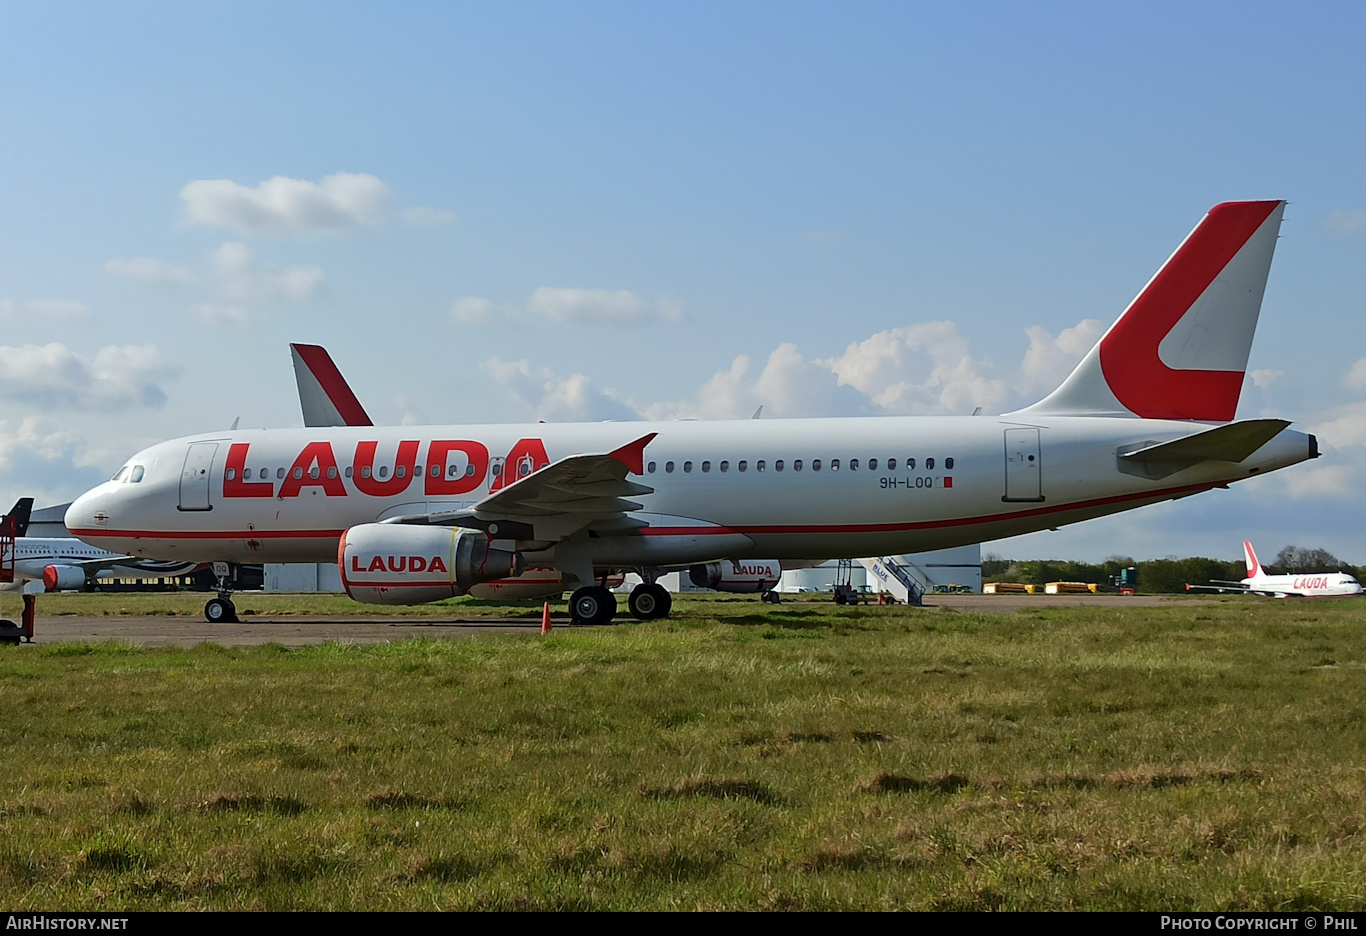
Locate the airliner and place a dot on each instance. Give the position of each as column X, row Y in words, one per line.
column 1311, row 585
column 416, row 514
column 64, row 562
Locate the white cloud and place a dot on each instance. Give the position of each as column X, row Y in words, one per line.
column 1346, row 427
column 422, row 216
column 473, row 311
column 54, row 377
column 587, row 305
column 555, row 398
column 1347, row 222
column 1355, row 378
column 58, row 309
column 1265, row 377
column 148, row 271
column 568, row 306
column 1321, row 481
column 240, row 281
column 213, row 314
column 919, row 370
column 1049, row 360
column 286, row 206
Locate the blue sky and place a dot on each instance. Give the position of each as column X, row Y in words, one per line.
column 494, row 212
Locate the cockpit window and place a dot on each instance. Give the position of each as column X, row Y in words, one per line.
column 128, row 474
column 121, row 474
column 136, row 476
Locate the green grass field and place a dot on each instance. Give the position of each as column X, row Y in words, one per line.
column 1192, row 756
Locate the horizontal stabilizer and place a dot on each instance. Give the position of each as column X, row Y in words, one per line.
column 1231, row 443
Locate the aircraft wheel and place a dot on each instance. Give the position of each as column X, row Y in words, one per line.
column 592, row 605
column 649, row 602
column 220, row 611
column 771, row 597
column 10, row 633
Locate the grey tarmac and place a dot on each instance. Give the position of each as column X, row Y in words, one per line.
column 161, row 630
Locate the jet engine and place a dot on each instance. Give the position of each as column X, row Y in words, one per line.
column 391, row 563
column 745, row 576
column 63, row 578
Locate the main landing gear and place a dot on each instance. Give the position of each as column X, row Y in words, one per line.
column 649, row 602
column 595, row 604
column 221, row 610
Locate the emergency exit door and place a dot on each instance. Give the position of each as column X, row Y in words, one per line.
column 1023, row 466
column 194, row 480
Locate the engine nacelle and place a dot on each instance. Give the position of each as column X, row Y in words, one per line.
column 745, row 575
column 63, row 578
column 392, row 563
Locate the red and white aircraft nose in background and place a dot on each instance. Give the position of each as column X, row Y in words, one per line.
column 414, row 514
column 1311, row 585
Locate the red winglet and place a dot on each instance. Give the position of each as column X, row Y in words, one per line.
column 632, row 455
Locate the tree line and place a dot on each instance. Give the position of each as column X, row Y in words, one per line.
column 1159, row 576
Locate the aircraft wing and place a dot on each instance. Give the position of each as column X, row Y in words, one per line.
column 1219, row 587
column 580, row 492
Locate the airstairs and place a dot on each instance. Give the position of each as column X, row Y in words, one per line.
column 898, row 579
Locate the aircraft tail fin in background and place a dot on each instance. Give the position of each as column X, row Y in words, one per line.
column 1180, row 349
column 19, row 515
column 324, row 395
column 1254, row 568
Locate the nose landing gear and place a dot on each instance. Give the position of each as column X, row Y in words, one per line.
column 221, row 610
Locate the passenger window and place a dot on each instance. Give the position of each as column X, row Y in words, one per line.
column 469, row 471
column 331, row 471
column 668, row 466
column 853, row 464
column 348, row 471
column 298, row 473
column 948, row 463
column 778, row 465
column 650, row 468
column 797, row 465
column 815, row 464
column 706, row 466
column 744, row 464
column 725, row 466
column 891, row 464
column 436, row 471
column 230, row 473
column 759, row 465
column 834, row 464
column 313, row 472
column 279, row 472
column 451, row 470
column 401, row 471
column 910, row 464
column 687, row 466
column 872, row 464
column 384, row 471
column 929, row 464
column 497, row 469
column 365, row 471
column 246, row 474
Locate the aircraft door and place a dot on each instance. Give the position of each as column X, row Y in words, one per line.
column 194, row 480
column 1024, row 480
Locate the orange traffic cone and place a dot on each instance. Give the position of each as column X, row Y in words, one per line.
column 545, row 619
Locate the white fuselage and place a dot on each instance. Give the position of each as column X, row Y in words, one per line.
column 845, row 488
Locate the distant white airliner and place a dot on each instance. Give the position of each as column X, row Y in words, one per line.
column 1312, row 585
column 415, row 514
column 64, row 562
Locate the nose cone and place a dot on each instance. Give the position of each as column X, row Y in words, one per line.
column 89, row 514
